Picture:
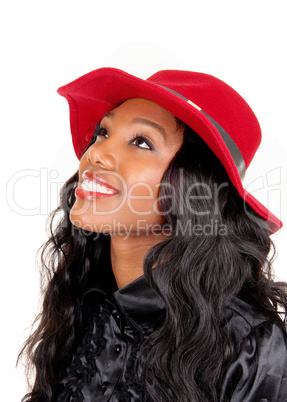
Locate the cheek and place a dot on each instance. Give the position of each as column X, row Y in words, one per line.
column 143, row 192
column 139, row 202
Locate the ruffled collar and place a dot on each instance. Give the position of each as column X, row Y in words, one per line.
column 140, row 303
column 144, row 308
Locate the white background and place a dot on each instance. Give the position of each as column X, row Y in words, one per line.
column 46, row 44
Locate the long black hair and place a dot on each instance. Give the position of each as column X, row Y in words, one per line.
column 217, row 248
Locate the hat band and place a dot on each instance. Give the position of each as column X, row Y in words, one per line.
column 230, row 144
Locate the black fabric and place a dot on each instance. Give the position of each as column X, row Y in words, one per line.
column 115, row 323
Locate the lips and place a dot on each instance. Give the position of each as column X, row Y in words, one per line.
column 94, row 187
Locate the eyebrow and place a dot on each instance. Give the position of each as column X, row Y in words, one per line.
column 150, row 123
column 142, row 120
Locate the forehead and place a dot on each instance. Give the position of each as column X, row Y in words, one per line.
column 143, row 108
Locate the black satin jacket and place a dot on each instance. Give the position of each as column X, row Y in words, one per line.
column 117, row 322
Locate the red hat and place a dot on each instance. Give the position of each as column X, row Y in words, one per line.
column 215, row 111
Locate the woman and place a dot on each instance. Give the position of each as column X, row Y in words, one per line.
column 159, row 283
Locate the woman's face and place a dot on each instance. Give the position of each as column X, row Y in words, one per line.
column 120, row 173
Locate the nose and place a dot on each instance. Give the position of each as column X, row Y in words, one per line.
column 102, row 156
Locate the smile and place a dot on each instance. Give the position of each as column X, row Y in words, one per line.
column 94, row 187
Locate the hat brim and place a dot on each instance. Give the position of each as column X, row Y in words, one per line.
column 96, row 93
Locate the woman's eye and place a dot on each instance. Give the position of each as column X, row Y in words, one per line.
column 99, row 132
column 141, row 143
column 102, row 132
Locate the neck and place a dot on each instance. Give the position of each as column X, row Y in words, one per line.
column 127, row 256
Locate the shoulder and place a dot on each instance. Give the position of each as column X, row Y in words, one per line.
column 242, row 319
column 259, row 371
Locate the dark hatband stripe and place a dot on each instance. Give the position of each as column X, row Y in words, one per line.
column 231, row 145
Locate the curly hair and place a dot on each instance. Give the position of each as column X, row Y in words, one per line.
column 218, row 247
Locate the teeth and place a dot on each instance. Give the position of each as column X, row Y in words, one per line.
column 91, row 185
